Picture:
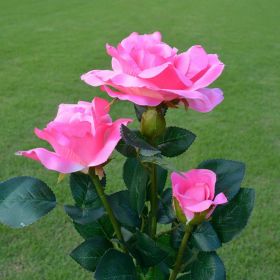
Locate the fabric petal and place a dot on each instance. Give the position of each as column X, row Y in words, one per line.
column 220, row 199
column 198, row 60
column 52, row 160
column 188, row 214
column 182, row 62
column 176, row 179
column 97, row 77
column 110, row 140
column 100, row 107
column 139, row 96
column 200, row 207
column 207, row 101
column 166, row 76
column 209, row 76
column 202, row 100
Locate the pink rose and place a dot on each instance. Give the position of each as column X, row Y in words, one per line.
column 195, row 192
column 82, row 135
column 147, row 71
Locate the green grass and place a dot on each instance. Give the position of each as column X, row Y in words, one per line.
column 46, row 45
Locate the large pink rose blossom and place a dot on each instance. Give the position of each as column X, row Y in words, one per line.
column 146, row 71
column 82, row 135
column 195, row 192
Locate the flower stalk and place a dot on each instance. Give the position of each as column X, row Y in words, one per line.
column 152, row 127
column 181, row 251
column 154, row 201
column 102, row 196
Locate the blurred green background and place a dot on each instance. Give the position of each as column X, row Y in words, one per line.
column 44, row 48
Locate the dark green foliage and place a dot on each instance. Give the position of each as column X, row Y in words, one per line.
column 83, row 215
column 229, row 175
column 165, row 211
column 101, row 227
column 159, row 161
column 228, row 220
column 123, row 210
column 115, row 265
column 136, row 177
column 24, row 200
column 158, row 272
column 126, row 149
column 132, row 139
column 146, row 250
column 88, row 207
column 83, row 190
column 90, row 251
column 207, row 265
column 205, row 238
column 161, row 174
column 175, row 141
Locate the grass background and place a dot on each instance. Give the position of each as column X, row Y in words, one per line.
column 46, row 45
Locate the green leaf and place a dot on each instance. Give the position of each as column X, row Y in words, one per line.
column 90, row 251
column 131, row 138
column 122, row 209
column 100, row 227
column 160, row 161
column 175, row 141
column 83, row 215
column 115, row 265
column 165, row 210
column 88, row 206
column 208, row 266
column 83, row 190
column 127, row 235
column 186, row 276
column 164, row 242
column 125, row 149
column 177, row 235
column 136, row 177
column 158, row 272
column 89, row 230
column 228, row 220
column 146, row 250
column 229, row 175
column 161, row 178
column 205, row 238
column 24, row 200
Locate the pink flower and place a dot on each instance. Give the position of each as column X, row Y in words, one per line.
column 146, row 71
column 82, row 135
column 195, row 192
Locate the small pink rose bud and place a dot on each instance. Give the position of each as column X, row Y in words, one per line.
column 195, row 194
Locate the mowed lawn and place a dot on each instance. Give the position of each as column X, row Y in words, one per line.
column 44, row 48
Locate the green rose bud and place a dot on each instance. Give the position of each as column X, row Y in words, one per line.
column 152, row 123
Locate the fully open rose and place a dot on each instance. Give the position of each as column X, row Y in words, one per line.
column 82, row 135
column 147, row 71
column 195, row 192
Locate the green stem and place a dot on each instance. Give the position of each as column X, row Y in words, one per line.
column 154, row 201
column 102, row 196
column 181, row 251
